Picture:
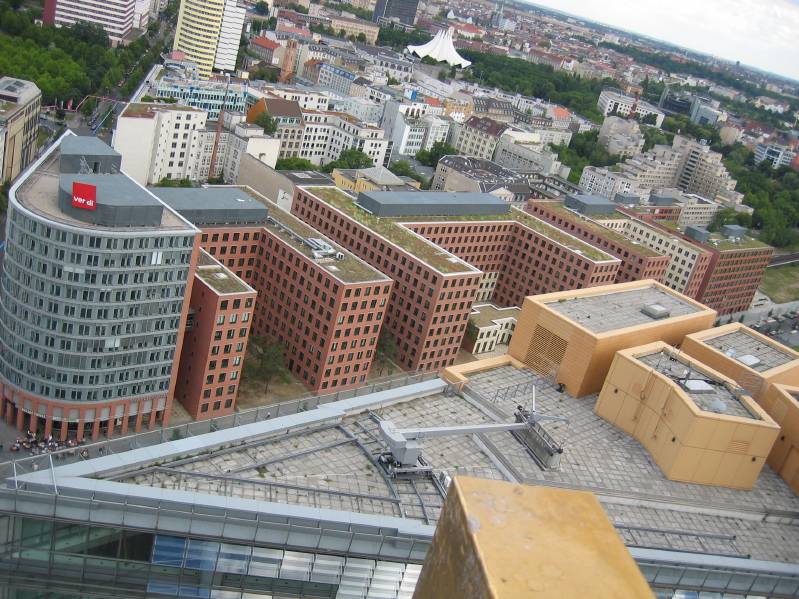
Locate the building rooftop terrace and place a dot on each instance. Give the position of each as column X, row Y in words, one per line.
column 559, row 208
column 331, row 466
column 148, row 110
column 219, row 278
column 709, row 393
column 291, row 230
column 603, row 312
column 750, row 351
column 39, row 193
column 437, row 258
column 484, row 315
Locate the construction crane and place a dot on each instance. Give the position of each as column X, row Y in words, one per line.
column 405, row 453
column 215, row 149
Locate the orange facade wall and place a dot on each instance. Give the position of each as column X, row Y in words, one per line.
column 552, row 344
column 687, row 443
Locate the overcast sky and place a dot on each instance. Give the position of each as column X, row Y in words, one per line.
column 760, row 33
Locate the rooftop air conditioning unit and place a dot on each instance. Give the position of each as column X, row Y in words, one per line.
column 339, row 255
column 656, row 311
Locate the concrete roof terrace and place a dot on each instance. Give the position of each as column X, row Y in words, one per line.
column 484, row 315
column 219, row 278
column 740, row 345
column 38, row 191
column 321, row 464
column 708, row 393
column 603, row 312
column 441, row 260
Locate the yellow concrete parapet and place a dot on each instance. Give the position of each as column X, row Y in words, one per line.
column 578, row 355
column 500, row 540
column 756, row 382
column 458, row 375
column 782, row 403
column 689, row 442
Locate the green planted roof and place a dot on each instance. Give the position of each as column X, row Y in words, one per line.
column 392, row 229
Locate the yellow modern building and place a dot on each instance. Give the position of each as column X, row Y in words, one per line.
column 573, row 336
column 209, row 32
column 752, row 360
column 698, row 425
column 500, row 540
column 782, row 404
column 375, row 178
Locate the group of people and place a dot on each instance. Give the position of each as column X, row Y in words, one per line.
column 38, row 445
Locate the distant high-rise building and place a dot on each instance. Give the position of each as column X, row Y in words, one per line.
column 208, row 32
column 116, row 17
column 401, row 10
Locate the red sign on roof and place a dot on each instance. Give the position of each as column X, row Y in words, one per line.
column 84, row 196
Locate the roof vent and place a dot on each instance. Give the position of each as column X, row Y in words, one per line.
column 749, row 360
column 656, row 311
column 698, row 386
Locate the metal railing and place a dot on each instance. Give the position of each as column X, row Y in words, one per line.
column 308, row 401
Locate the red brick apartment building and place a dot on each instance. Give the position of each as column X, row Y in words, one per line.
column 637, row 261
column 736, row 268
column 215, row 341
column 323, row 305
column 437, row 262
column 723, row 271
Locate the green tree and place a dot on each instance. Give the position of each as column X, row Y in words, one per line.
column 262, row 8
column 270, row 363
column 4, row 196
column 294, row 164
column 174, row 183
column 297, row 8
column 433, row 155
column 386, row 352
column 392, row 81
column 654, row 136
column 515, row 75
column 266, row 121
column 361, row 37
column 398, row 39
column 649, row 119
column 584, row 151
column 729, row 216
column 403, row 168
column 350, row 158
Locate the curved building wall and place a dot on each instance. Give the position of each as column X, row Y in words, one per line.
column 89, row 317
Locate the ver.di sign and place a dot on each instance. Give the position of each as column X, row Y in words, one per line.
column 84, row 196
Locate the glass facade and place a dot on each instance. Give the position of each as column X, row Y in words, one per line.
column 88, row 315
column 44, row 558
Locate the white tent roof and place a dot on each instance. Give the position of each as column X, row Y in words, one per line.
column 440, row 48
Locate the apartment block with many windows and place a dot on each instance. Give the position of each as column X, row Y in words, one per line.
column 444, row 251
column 20, row 104
column 638, row 261
column 319, row 302
column 215, row 342
column 116, row 17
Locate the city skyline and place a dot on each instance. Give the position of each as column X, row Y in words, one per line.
column 684, row 23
